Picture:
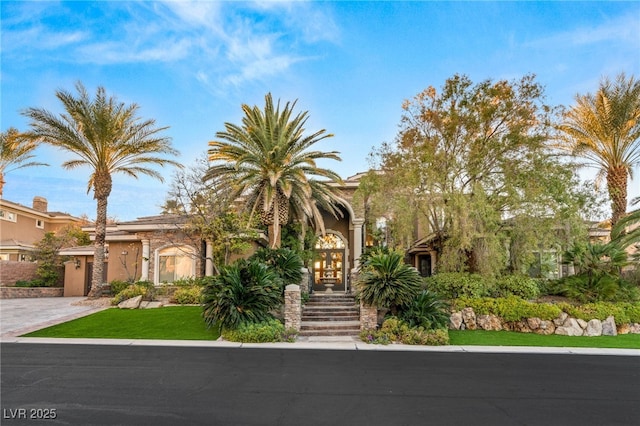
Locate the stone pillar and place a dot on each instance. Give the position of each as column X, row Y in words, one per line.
column 304, row 281
column 357, row 241
column 292, row 307
column 145, row 260
column 208, row 266
column 368, row 317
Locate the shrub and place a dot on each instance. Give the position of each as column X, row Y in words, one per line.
column 188, row 295
column 285, row 262
column 452, row 285
column 516, row 285
column 117, row 286
column 386, row 281
column 270, row 330
column 623, row 312
column 395, row 330
column 510, row 308
column 427, row 310
column 32, row 283
column 132, row 291
column 244, row 292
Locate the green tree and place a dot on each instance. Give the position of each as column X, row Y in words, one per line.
column 465, row 159
column 267, row 159
column 604, row 129
column 107, row 136
column 15, row 153
column 207, row 212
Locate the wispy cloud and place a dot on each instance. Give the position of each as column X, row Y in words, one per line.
column 622, row 29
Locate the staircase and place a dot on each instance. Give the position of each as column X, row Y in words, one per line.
column 334, row 314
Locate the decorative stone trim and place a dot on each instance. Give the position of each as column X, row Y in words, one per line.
column 30, row 292
column 368, row 317
column 292, row 307
column 563, row 325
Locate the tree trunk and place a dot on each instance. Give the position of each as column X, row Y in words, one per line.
column 1, row 183
column 102, row 189
column 617, row 187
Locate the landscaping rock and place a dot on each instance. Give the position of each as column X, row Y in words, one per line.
column 132, row 303
column 151, row 305
column 520, row 326
column 469, row 318
column 570, row 327
column 609, row 327
column 546, row 328
column 561, row 319
column 489, row 322
column 534, row 323
column 455, row 321
column 594, row 328
column 624, row 328
column 582, row 323
column 634, row 328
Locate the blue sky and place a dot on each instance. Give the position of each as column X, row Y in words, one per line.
column 190, row 66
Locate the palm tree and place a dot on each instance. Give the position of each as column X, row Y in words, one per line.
column 266, row 160
column 605, row 129
column 15, row 151
column 107, row 136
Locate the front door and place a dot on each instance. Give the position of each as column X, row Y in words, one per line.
column 328, row 266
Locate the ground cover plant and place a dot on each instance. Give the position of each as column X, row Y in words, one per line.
column 167, row 323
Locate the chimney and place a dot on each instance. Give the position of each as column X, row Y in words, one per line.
column 40, row 204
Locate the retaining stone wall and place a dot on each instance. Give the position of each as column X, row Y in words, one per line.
column 29, row 292
column 565, row 325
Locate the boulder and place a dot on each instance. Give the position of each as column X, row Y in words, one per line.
column 582, row 323
column 594, row 328
column 624, row 328
column 570, row 327
column 634, row 328
column 519, row 326
column 561, row 319
column 151, row 305
column 546, row 328
column 609, row 327
column 132, row 303
column 455, row 321
column 469, row 318
column 489, row 322
column 534, row 323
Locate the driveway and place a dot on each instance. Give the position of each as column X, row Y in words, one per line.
column 20, row 316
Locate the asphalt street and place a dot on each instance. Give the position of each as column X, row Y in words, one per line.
column 164, row 385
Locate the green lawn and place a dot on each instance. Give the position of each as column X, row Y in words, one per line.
column 167, row 323
column 510, row 338
column 186, row 323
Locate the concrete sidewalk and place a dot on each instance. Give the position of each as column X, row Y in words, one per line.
column 21, row 316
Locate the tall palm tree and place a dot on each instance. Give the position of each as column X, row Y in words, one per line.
column 107, row 136
column 605, row 129
column 15, row 151
column 266, row 159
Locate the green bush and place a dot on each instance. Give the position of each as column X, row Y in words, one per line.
column 623, row 312
column 452, row 285
column 117, row 286
column 244, row 292
column 270, row 330
column 32, row 283
column 510, row 308
column 385, row 281
column 427, row 310
column 188, row 295
column 285, row 262
column 132, row 291
column 516, row 285
column 394, row 330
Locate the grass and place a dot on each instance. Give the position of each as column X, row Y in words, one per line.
column 167, row 323
column 510, row 338
column 186, row 323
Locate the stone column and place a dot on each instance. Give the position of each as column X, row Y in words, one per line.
column 368, row 317
column 357, row 241
column 208, row 266
column 292, row 307
column 145, row 260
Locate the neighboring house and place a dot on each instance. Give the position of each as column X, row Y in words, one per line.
column 22, row 227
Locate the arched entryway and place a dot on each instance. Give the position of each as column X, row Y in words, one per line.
column 330, row 264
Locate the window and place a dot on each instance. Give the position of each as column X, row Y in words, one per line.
column 39, row 223
column 175, row 263
column 5, row 215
